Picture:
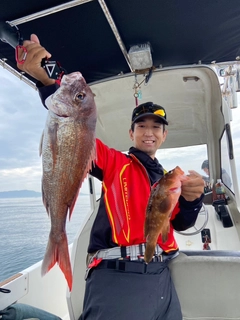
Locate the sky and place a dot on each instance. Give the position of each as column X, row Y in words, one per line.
column 22, row 119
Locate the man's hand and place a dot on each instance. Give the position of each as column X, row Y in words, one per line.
column 32, row 63
column 193, row 187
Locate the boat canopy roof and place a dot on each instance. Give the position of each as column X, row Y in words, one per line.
column 94, row 36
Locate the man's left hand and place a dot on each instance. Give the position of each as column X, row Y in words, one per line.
column 193, row 187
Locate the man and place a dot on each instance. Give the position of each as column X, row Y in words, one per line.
column 119, row 284
column 225, row 177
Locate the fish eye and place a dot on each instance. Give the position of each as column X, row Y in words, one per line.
column 170, row 172
column 80, row 96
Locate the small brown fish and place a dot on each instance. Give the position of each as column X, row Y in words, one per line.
column 68, row 149
column 163, row 198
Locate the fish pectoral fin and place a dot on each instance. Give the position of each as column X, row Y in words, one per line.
column 89, row 165
column 165, row 205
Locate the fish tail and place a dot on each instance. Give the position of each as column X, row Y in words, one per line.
column 149, row 252
column 58, row 252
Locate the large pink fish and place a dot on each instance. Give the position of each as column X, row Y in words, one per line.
column 68, row 149
column 163, row 198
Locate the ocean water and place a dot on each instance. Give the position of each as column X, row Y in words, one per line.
column 24, row 230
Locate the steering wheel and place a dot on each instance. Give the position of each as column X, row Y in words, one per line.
column 202, row 212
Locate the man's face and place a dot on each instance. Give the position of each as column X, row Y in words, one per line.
column 206, row 170
column 148, row 135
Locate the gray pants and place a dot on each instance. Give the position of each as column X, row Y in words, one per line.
column 127, row 295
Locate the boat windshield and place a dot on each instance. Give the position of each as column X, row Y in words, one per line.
column 187, row 158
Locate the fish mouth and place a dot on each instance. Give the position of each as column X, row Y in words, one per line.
column 62, row 115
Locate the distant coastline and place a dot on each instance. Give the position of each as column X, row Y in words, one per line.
column 20, row 194
column 24, row 194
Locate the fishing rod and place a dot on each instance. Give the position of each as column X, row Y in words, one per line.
column 11, row 35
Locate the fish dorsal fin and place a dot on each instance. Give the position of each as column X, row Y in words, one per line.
column 89, row 165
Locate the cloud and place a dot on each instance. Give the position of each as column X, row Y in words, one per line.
column 21, row 178
column 22, row 119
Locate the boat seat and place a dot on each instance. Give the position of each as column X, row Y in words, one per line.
column 207, row 283
column 17, row 286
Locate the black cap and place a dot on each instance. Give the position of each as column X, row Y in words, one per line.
column 149, row 108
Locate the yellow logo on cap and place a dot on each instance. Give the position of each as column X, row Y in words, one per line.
column 160, row 113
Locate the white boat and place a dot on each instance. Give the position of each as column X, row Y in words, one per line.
column 198, row 96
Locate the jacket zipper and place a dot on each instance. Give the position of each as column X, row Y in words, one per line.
column 145, row 170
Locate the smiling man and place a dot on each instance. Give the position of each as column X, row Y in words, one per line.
column 119, row 284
